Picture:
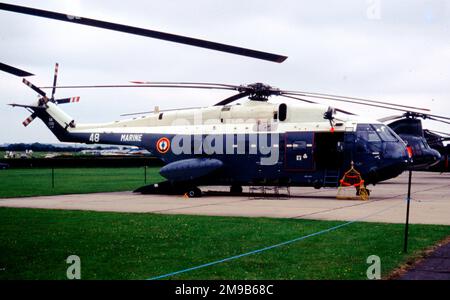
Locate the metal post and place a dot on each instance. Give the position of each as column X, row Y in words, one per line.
column 145, row 174
column 53, row 177
column 408, row 200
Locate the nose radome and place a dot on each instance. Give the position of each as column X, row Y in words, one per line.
column 436, row 154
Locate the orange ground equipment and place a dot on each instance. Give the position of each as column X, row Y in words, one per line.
column 352, row 179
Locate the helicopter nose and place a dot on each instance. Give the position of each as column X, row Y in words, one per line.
column 436, row 154
column 435, row 157
column 396, row 151
column 401, row 156
column 395, row 161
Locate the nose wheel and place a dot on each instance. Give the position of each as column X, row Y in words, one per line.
column 194, row 192
column 236, row 189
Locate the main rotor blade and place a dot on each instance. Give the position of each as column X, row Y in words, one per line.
column 236, row 87
column 232, row 99
column 159, row 111
column 343, row 100
column 301, row 93
column 436, row 116
column 144, row 32
column 437, row 120
column 390, row 118
column 344, row 111
column 439, row 132
column 309, row 101
column 296, row 98
column 141, row 86
column 14, row 71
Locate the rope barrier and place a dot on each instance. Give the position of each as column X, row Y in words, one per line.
column 270, row 247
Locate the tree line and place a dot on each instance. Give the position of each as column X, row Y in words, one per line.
column 52, row 148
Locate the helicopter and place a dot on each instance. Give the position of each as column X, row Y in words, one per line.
column 426, row 146
column 251, row 143
column 256, row 142
column 436, row 141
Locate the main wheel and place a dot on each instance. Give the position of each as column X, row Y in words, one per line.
column 194, row 192
column 236, row 189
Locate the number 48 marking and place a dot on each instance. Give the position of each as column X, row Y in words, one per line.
column 94, row 137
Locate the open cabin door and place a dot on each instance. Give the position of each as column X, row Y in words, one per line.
column 299, row 151
column 329, row 150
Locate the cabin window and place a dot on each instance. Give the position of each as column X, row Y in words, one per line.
column 299, row 145
column 282, row 112
column 160, row 116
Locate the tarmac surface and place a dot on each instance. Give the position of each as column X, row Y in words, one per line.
column 430, row 202
column 436, row 266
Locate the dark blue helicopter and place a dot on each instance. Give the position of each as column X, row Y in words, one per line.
column 256, row 142
column 427, row 147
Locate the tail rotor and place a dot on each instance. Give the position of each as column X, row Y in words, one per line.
column 43, row 100
column 55, row 77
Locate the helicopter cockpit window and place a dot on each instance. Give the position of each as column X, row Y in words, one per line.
column 367, row 139
column 366, row 133
column 385, row 133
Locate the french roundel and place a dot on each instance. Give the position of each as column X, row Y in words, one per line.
column 163, row 145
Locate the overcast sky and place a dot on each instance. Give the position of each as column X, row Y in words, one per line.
column 388, row 50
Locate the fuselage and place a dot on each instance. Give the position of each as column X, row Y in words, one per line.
column 255, row 142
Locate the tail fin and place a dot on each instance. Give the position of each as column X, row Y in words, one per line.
column 58, row 121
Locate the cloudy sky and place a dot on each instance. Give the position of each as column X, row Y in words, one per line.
column 388, row 50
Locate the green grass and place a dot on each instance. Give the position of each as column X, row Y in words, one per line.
column 34, row 244
column 38, row 182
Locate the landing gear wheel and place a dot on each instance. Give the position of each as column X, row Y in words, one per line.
column 194, row 192
column 236, row 189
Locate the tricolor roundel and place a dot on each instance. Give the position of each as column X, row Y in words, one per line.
column 163, row 145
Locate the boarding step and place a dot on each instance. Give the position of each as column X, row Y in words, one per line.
column 272, row 192
column 331, row 179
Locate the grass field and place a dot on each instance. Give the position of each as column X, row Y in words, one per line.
column 34, row 244
column 38, row 182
